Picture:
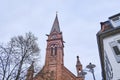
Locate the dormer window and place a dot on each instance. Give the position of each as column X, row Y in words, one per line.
column 115, row 20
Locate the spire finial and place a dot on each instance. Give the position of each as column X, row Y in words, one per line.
column 56, row 12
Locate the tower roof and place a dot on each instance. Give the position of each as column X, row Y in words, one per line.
column 31, row 68
column 55, row 26
column 78, row 61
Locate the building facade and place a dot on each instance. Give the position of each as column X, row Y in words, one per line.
column 54, row 68
column 108, row 39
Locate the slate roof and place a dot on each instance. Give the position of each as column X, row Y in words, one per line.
column 55, row 26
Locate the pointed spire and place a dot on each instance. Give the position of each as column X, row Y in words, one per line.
column 30, row 72
column 32, row 66
column 78, row 67
column 55, row 26
column 78, row 61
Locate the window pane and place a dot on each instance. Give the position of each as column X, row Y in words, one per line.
column 117, row 52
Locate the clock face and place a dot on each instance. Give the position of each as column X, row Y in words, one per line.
column 53, row 37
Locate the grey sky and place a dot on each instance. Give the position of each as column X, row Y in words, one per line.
column 79, row 21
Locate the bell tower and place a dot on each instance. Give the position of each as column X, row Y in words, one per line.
column 54, row 50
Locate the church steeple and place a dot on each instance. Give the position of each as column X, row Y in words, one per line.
column 30, row 72
column 55, row 53
column 55, row 26
column 78, row 61
column 78, row 67
column 54, row 68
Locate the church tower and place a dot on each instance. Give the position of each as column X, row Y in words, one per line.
column 54, row 50
column 54, row 68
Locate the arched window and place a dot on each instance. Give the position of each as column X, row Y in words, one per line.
column 53, row 50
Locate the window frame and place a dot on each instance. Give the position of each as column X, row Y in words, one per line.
column 115, row 46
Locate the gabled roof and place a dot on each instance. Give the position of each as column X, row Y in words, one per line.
column 55, row 26
column 67, row 72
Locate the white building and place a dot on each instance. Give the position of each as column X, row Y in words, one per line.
column 108, row 39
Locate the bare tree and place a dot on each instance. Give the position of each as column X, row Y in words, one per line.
column 16, row 56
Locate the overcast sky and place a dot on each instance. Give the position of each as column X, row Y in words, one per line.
column 79, row 21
